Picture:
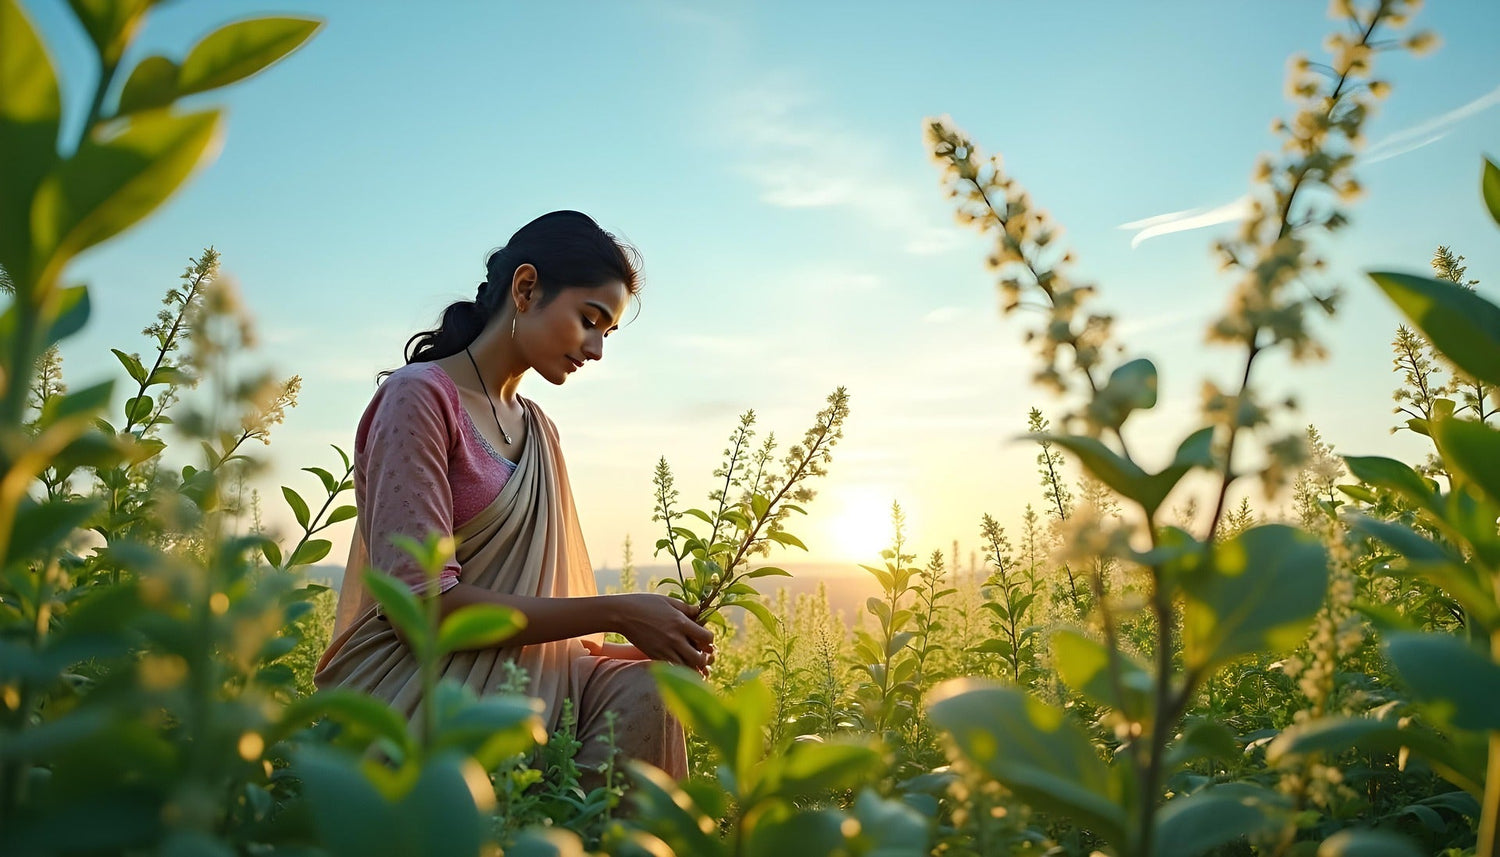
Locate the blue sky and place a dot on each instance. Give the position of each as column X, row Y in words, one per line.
column 767, row 160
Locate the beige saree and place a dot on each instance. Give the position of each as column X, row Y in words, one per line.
column 526, row 542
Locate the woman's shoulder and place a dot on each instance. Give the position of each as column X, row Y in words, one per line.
column 417, row 378
column 415, row 384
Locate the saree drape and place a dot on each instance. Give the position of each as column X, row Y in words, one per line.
column 526, row 542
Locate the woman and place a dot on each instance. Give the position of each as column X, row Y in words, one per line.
column 447, row 445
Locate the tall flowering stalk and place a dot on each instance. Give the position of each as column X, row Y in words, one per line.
column 1230, row 597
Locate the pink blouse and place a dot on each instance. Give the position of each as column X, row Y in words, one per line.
column 420, row 466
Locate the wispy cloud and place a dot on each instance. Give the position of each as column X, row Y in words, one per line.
column 1407, row 140
column 1428, row 132
column 1182, row 221
column 801, row 156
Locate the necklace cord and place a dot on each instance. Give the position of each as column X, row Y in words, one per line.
column 503, row 433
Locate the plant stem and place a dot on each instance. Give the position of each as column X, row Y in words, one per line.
column 1488, row 844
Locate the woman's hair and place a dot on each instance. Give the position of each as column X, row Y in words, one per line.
column 567, row 248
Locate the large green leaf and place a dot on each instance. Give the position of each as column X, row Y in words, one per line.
column 1125, row 477
column 1198, row 823
column 351, row 816
column 1461, row 685
column 784, row 832
column 1368, row 843
column 890, row 827
column 1393, row 475
column 401, row 606
column 236, row 51
column 478, row 626
column 30, row 109
column 1472, row 449
column 810, row 768
column 1335, row 735
column 1257, row 595
column 356, row 711
column 491, row 728
column 1462, row 325
column 110, row 24
column 1083, row 663
column 108, row 186
column 1131, row 387
column 669, row 812
column 152, row 84
column 699, row 708
column 1032, row 749
column 1491, row 189
column 440, row 812
column 42, row 528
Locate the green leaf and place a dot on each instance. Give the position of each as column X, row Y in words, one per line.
column 342, row 513
column 132, row 365
column 1119, row 473
column 87, row 402
column 1368, row 843
column 489, row 728
column 478, row 626
column 109, row 24
column 778, row 834
column 672, row 813
column 152, row 84
column 1392, row 475
column 697, row 706
column 1462, row 325
column 107, row 186
column 1399, row 536
column 766, row 571
column 299, row 506
column 1491, row 189
column 44, row 527
column 70, row 313
column 1201, row 822
column 401, row 606
column 169, row 375
column 785, row 538
column 1335, row 735
column 310, row 552
column 138, row 408
column 1473, row 449
column 1460, row 685
column 330, row 484
column 759, row 611
column 1258, row 594
column 1083, row 663
column 349, row 813
column 1131, row 387
column 272, row 552
column 30, row 109
column 1033, row 749
column 759, row 505
column 810, row 768
column 1203, row 739
column 894, row 828
column 239, row 50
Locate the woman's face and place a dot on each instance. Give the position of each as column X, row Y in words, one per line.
column 557, row 339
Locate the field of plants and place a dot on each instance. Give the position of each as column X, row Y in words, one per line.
column 1141, row 666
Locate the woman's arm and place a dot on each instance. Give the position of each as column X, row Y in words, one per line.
column 661, row 628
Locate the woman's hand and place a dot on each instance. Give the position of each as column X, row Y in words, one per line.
column 662, row 629
column 627, row 652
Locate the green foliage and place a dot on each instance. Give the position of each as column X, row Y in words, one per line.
column 763, row 799
column 748, row 524
column 1209, row 689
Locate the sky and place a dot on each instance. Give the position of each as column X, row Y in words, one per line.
column 767, row 160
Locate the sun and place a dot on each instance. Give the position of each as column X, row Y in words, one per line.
column 861, row 527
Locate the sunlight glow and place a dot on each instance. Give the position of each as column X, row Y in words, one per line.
column 861, row 527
